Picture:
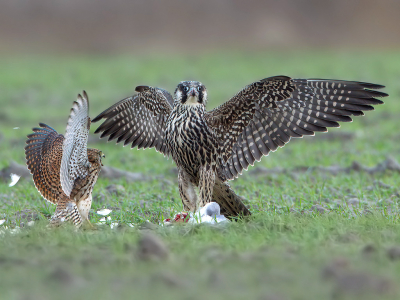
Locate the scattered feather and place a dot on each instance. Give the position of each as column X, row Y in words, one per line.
column 16, row 128
column 2, row 222
column 14, row 179
column 104, row 220
column 104, row 212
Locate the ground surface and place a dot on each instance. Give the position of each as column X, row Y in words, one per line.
column 322, row 226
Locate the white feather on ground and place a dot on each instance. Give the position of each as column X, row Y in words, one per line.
column 104, row 212
column 14, row 179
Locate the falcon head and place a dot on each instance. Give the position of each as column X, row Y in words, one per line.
column 191, row 93
column 95, row 156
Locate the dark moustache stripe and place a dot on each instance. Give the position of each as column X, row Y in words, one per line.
column 184, row 97
column 201, row 96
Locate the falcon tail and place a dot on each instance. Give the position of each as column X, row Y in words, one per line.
column 230, row 203
column 66, row 212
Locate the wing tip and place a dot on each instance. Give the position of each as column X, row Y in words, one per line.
column 98, row 117
column 81, row 100
column 373, row 86
column 85, row 95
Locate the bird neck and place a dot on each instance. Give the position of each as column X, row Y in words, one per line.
column 197, row 109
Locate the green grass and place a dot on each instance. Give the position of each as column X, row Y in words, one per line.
column 282, row 251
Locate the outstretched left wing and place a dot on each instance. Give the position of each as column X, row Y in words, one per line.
column 267, row 113
column 74, row 162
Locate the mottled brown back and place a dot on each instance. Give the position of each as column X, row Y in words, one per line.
column 43, row 157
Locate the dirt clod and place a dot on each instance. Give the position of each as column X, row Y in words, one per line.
column 169, row 279
column 394, row 252
column 353, row 201
column 318, row 208
column 61, row 275
column 115, row 189
column 151, row 247
column 361, row 283
column 368, row 250
column 335, row 268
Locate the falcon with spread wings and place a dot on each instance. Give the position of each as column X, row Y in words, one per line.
column 64, row 170
column 212, row 147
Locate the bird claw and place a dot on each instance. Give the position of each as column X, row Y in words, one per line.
column 89, row 225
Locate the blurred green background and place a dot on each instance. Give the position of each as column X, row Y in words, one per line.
column 313, row 235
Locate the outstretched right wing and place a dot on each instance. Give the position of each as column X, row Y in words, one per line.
column 138, row 120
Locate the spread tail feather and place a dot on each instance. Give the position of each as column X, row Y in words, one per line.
column 66, row 212
column 230, row 203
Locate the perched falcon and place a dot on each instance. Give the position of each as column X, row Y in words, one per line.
column 212, row 147
column 64, row 170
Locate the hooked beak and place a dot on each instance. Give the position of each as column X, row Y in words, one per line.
column 192, row 92
column 193, row 97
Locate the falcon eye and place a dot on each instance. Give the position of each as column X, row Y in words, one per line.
column 199, row 88
column 186, row 88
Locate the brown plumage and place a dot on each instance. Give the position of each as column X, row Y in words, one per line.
column 212, row 147
column 53, row 159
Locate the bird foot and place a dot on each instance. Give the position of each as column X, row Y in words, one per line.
column 89, row 225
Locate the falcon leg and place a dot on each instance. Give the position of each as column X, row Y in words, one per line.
column 84, row 206
column 206, row 184
column 187, row 192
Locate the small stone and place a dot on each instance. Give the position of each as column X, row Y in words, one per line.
column 361, row 284
column 318, row 208
column 62, row 276
column 353, row 201
column 294, row 211
column 215, row 279
column 367, row 212
column 392, row 164
column 169, row 279
column 115, row 189
column 368, row 249
column 151, row 247
column 381, row 184
column 335, row 268
column 394, row 253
